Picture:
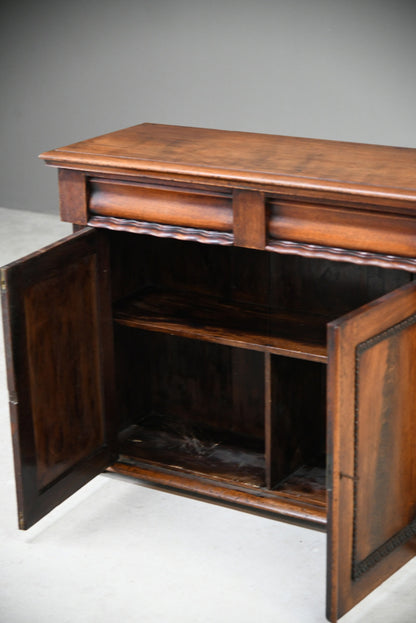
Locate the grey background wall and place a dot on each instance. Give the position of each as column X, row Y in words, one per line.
column 336, row 69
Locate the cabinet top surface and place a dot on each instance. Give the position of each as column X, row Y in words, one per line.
column 244, row 157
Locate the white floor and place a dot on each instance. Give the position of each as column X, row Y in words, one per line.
column 117, row 551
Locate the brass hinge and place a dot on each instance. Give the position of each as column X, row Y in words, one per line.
column 3, row 280
column 13, row 398
column 22, row 523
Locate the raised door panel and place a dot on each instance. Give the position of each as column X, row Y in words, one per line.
column 371, row 439
column 58, row 345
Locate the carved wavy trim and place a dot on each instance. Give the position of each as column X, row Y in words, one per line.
column 342, row 255
column 281, row 246
column 359, row 567
column 163, row 231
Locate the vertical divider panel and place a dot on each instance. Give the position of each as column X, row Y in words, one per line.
column 268, row 421
column 294, row 415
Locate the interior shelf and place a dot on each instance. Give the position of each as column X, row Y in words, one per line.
column 222, row 456
column 231, row 469
column 203, row 317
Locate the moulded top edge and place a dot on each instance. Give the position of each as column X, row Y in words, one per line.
column 355, row 168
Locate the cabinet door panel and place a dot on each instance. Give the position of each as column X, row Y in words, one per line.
column 371, row 439
column 57, row 323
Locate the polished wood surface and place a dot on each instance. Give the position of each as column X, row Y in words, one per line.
column 60, row 378
column 249, row 219
column 247, row 157
column 73, row 197
column 290, row 504
column 167, row 206
column 338, row 227
column 206, row 318
column 341, row 201
column 259, row 347
column 372, row 488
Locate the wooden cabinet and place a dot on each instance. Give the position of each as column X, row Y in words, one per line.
column 238, row 323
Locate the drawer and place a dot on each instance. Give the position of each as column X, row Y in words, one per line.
column 173, row 206
column 342, row 228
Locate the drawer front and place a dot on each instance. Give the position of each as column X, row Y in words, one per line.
column 341, row 228
column 165, row 206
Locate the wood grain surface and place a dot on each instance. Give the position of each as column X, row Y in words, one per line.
column 59, row 356
column 371, row 432
column 248, row 157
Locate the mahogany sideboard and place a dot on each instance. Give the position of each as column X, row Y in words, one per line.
column 234, row 320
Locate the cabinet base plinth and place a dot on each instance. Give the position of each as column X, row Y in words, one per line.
column 281, row 506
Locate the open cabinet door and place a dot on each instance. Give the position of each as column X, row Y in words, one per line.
column 58, row 338
column 372, row 446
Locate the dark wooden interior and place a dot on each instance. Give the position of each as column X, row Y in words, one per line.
column 221, row 363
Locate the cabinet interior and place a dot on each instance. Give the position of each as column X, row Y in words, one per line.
column 221, row 366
